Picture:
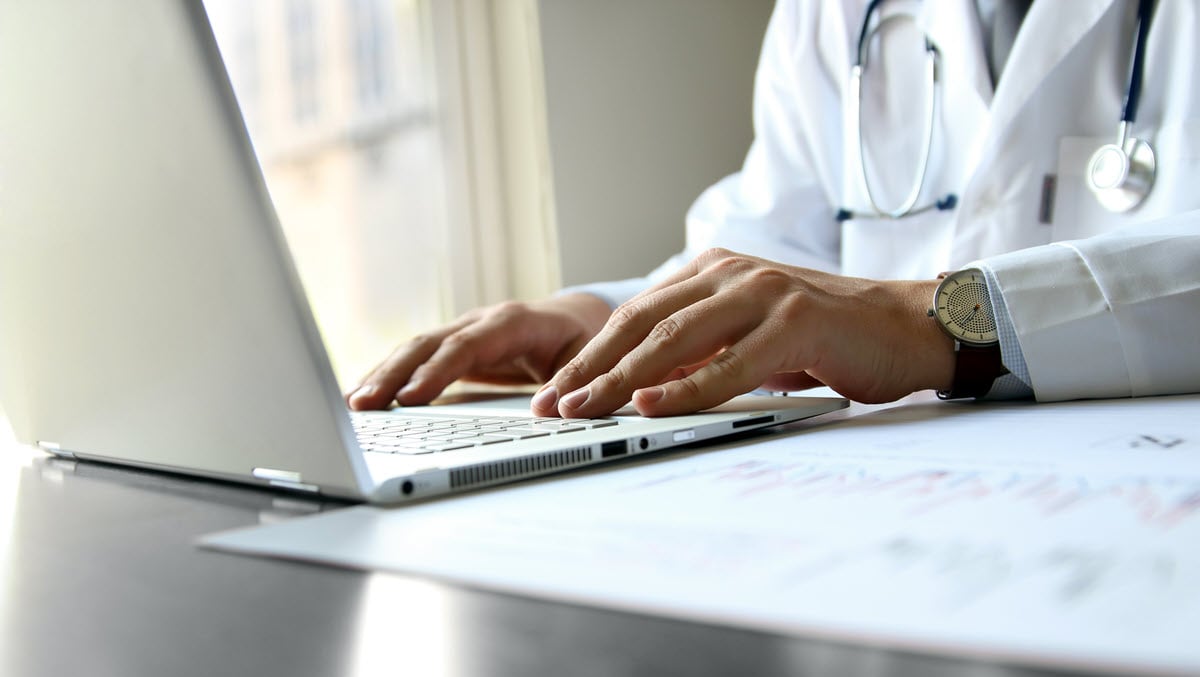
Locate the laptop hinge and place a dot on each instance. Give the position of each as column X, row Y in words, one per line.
column 275, row 474
column 296, row 486
column 284, row 479
column 56, row 449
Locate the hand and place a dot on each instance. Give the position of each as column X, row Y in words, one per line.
column 727, row 323
column 509, row 343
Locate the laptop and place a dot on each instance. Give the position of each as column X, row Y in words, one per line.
column 150, row 313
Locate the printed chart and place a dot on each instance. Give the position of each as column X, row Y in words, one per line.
column 1057, row 534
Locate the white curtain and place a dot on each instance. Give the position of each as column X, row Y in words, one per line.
column 404, row 144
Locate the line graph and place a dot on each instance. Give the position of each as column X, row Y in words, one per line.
column 1158, row 502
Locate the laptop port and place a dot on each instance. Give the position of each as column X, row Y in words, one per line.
column 610, row 449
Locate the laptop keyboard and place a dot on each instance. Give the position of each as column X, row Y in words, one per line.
column 396, row 434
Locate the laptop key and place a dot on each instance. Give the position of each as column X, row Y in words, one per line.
column 399, row 450
column 528, row 432
column 449, row 446
column 557, row 429
column 510, row 435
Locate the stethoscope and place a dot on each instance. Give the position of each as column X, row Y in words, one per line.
column 1119, row 174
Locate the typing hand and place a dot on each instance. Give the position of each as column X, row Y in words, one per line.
column 727, row 323
column 509, row 343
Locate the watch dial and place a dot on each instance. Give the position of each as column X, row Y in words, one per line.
column 965, row 309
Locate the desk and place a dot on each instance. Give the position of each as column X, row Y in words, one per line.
column 101, row 578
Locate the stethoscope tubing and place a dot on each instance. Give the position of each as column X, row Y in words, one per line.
column 1136, row 156
column 1133, row 95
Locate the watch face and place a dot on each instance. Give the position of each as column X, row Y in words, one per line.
column 964, row 308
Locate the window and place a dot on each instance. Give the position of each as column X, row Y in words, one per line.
column 303, row 60
column 245, row 47
column 365, row 117
column 368, row 47
column 359, row 200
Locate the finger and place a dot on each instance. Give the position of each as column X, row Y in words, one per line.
column 378, row 389
column 502, row 346
column 736, row 370
column 790, row 382
column 525, row 368
column 534, row 365
column 690, row 336
column 689, row 270
column 681, row 372
column 545, row 401
column 541, row 405
column 489, row 340
column 625, row 330
column 632, row 321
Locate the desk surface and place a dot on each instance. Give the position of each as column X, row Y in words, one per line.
column 101, row 578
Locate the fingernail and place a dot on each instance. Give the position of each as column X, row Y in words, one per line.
column 545, row 398
column 651, row 395
column 363, row 392
column 576, row 399
column 408, row 388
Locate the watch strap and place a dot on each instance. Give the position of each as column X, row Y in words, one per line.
column 976, row 368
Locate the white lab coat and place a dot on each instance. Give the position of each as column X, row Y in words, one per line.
column 1097, row 312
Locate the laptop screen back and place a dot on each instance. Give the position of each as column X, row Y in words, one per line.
column 148, row 308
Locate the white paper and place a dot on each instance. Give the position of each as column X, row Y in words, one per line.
column 1064, row 534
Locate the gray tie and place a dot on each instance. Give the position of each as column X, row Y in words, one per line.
column 1000, row 20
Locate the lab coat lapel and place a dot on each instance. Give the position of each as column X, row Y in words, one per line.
column 835, row 37
column 1050, row 31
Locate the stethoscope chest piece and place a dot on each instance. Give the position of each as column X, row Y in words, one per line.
column 1121, row 175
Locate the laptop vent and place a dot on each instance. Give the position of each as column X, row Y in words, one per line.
column 487, row 473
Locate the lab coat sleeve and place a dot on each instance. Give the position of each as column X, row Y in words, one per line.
column 1014, row 384
column 1116, row 315
column 774, row 207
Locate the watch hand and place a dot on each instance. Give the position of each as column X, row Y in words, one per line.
column 974, row 312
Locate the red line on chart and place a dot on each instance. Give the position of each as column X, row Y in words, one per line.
column 1161, row 503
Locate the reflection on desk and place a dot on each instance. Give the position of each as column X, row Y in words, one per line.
column 101, row 577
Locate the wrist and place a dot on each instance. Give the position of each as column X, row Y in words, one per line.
column 589, row 310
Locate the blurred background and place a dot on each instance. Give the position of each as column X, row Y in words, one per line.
column 429, row 156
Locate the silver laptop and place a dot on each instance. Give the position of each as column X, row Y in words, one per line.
column 150, row 313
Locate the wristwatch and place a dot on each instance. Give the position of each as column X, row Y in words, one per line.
column 963, row 307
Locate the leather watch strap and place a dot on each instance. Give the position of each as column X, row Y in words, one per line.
column 976, row 368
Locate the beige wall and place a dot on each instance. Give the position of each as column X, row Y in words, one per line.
column 648, row 104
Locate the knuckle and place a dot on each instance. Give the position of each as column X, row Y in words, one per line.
column 728, row 365
column 792, row 307
column 573, row 371
column 667, row 332
column 769, row 279
column 510, row 310
column 690, row 388
column 460, row 341
column 423, row 341
column 423, row 372
column 714, row 254
column 473, row 314
column 734, row 265
column 625, row 316
column 724, row 257
column 616, row 378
